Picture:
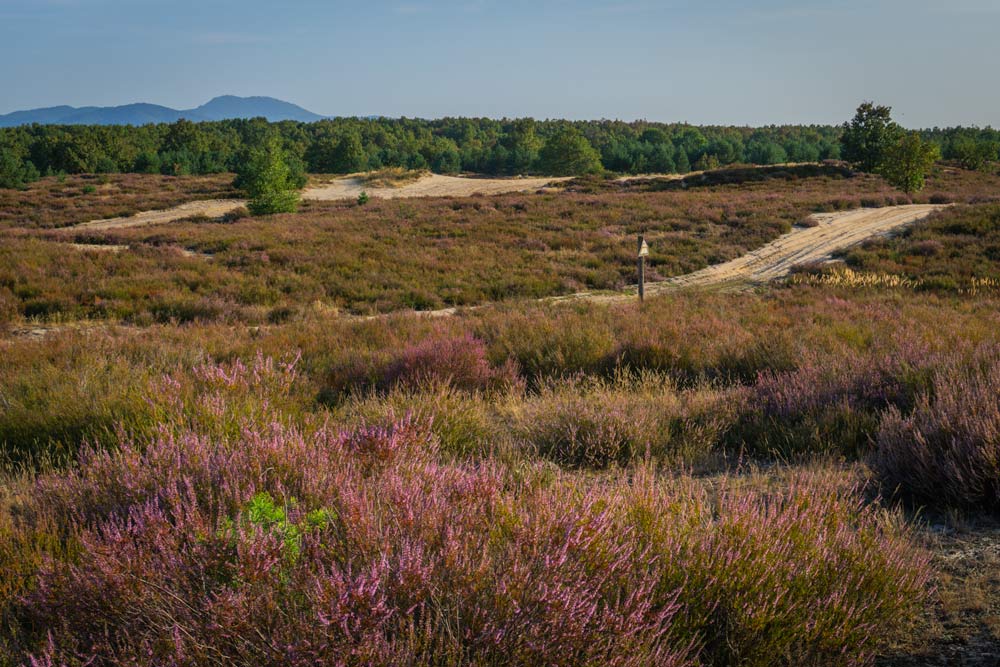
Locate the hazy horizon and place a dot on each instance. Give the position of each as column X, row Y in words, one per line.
column 718, row 63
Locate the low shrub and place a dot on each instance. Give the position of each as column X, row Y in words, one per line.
column 946, row 452
column 298, row 548
column 831, row 403
column 464, row 423
column 236, row 214
column 592, row 427
column 593, row 423
column 440, row 358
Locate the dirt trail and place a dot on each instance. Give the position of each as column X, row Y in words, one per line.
column 432, row 185
column 834, row 231
column 211, row 208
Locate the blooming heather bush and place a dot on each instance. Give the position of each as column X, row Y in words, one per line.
column 806, row 575
column 236, row 534
column 561, row 343
column 831, row 402
column 464, row 423
column 459, row 361
column 947, row 450
column 358, row 548
column 440, row 358
column 291, row 550
column 578, row 426
column 224, row 399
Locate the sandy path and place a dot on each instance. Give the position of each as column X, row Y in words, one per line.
column 212, row 208
column 432, row 185
column 835, row 231
column 628, row 178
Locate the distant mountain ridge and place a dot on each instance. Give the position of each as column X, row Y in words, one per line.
column 219, row 108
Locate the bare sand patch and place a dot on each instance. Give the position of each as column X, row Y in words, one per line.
column 211, row 208
column 431, row 185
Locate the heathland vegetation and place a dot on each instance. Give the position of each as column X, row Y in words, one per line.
column 424, row 254
column 220, row 447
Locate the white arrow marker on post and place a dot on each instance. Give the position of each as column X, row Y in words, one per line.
column 643, row 254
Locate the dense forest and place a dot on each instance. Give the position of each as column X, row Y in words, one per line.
column 448, row 145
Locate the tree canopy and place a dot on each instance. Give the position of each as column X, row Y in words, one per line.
column 568, row 153
column 907, row 162
column 449, row 145
column 868, row 136
column 874, row 143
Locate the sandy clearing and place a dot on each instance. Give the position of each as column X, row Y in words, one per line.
column 432, row 185
column 629, row 178
column 834, row 232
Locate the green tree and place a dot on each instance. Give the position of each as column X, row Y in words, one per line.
column 522, row 144
column 869, row 135
column 971, row 154
column 654, row 135
column 682, row 161
column 15, row 173
column 762, row 151
column 184, row 135
column 349, row 155
column 268, row 180
column 568, row 153
column 906, row 163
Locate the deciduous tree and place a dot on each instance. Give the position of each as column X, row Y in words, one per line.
column 869, row 135
column 906, row 163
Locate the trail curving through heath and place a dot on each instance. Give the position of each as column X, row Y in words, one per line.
column 832, row 233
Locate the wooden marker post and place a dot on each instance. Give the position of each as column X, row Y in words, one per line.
column 643, row 254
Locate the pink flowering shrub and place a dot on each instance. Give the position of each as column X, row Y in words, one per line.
column 947, row 450
column 304, row 545
column 831, row 403
column 224, row 399
column 459, row 361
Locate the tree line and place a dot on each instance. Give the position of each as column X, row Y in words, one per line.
column 448, row 145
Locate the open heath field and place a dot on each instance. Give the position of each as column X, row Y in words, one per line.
column 240, row 439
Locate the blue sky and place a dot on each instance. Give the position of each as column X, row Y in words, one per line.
column 754, row 62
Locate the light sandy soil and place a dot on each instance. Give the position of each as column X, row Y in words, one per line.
column 432, row 185
column 96, row 247
column 835, row 231
column 211, row 208
column 690, row 174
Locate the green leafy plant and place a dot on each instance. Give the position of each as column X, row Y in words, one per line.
column 268, row 180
